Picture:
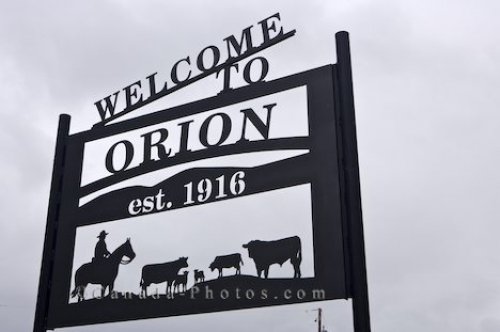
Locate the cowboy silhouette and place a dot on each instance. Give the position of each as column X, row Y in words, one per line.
column 101, row 252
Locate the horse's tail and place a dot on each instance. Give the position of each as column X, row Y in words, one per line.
column 74, row 292
column 241, row 260
column 142, row 282
column 77, row 282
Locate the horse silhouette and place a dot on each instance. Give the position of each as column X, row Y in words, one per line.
column 102, row 273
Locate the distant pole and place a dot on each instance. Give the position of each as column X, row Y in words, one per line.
column 319, row 320
column 358, row 282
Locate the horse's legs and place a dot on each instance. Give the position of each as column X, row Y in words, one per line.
column 111, row 287
column 81, row 292
column 78, row 295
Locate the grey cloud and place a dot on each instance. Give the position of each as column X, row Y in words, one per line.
column 426, row 89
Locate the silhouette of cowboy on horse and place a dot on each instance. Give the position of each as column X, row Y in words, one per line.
column 104, row 267
column 101, row 252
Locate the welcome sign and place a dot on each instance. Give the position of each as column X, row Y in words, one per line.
column 215, row 205
column 222, row 60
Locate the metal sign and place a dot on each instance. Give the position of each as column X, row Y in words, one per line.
column 226, row 204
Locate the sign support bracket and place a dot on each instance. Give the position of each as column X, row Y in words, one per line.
column 44, row 285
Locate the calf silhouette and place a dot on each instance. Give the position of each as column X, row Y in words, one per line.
column 227, row 261
column 180, row 282
column 158, row 273
column 267, row 253
column 199, row 276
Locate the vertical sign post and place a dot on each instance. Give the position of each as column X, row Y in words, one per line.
column 351, row 187
column 44, row 284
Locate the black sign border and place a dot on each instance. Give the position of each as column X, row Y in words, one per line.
column 325, row 189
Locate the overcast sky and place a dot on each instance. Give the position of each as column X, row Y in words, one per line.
column 426, row 81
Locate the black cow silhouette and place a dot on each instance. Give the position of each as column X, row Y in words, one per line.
column 102, row 272
column 267, row 253
column 180, row 282
column 199, row 276
column 158, row 273
column 227, row 261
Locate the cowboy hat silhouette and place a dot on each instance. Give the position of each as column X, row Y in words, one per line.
column 102, row 234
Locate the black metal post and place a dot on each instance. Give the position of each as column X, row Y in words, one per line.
column 359, row 287
column 42, row 305
column 320, row 329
